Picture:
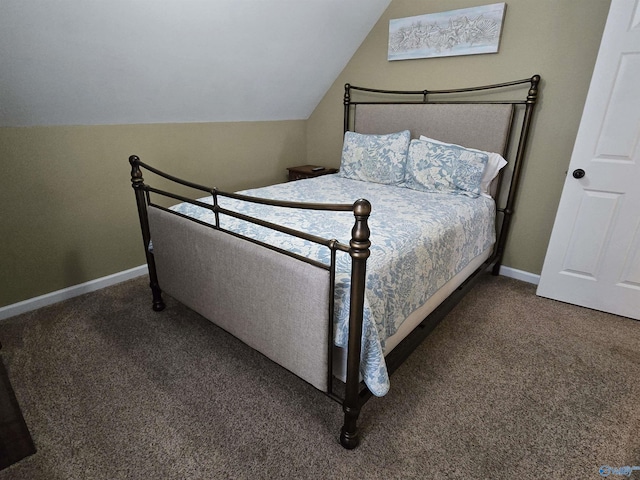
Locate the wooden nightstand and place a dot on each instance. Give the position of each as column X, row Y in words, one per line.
column 307, row 171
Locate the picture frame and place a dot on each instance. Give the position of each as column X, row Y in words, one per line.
column 467, row 31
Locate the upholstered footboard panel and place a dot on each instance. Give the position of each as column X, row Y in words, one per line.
column 274, row 303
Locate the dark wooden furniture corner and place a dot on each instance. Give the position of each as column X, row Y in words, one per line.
column 15, row 440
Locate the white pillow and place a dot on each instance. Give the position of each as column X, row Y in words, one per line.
column 495, row 163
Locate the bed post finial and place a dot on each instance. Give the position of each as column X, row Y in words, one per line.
column 136, row 173
column 137, row 182
column 532, row 96
column 347, row 102
column 359, row 253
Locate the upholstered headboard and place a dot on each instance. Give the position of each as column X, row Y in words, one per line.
column 486, row 117
column 482, row 126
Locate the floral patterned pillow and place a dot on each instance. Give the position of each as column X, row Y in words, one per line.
column 375, row 158
column 436, row 167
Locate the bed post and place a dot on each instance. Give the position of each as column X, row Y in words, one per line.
column 137, row 182
column 532, row 97
column 359, row 253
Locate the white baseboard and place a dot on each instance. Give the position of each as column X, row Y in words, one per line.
column 70, row 292
column 97, row 284
column 520, row 275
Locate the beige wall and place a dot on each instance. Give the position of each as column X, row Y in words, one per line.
column 557, row 39
column 68, row 210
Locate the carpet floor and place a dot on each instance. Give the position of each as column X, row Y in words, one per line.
column 509, row 385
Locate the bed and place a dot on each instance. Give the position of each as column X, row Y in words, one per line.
column 338, row 278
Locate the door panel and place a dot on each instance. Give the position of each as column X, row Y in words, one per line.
column 617, row 139
column 630, row 276
column 587, row 244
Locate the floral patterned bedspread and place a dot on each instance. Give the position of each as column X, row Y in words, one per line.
column 419, row 240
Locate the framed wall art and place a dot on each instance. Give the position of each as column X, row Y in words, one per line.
column 468, row 31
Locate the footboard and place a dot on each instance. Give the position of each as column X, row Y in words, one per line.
column 277, row 302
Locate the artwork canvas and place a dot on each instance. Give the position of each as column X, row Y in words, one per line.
column 468, row 31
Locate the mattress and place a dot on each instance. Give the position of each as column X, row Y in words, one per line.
column 420, row 241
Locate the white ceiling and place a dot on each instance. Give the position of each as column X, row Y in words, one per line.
column 84, row 62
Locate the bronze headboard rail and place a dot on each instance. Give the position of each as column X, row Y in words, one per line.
column 425, row 93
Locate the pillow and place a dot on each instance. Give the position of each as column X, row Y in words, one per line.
column 375, row 158
column 438, row 167
column 495, row 163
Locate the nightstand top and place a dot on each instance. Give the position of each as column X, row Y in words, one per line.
column 308, row 169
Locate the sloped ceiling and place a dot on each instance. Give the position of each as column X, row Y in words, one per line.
column 79, row 62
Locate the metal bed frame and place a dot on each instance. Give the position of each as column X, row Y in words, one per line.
column 353, row 394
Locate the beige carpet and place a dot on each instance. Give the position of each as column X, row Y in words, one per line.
column 510, row 385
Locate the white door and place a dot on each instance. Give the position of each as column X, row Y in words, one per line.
column 593, row 258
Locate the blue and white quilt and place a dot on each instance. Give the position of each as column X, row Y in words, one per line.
column 419, row 240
